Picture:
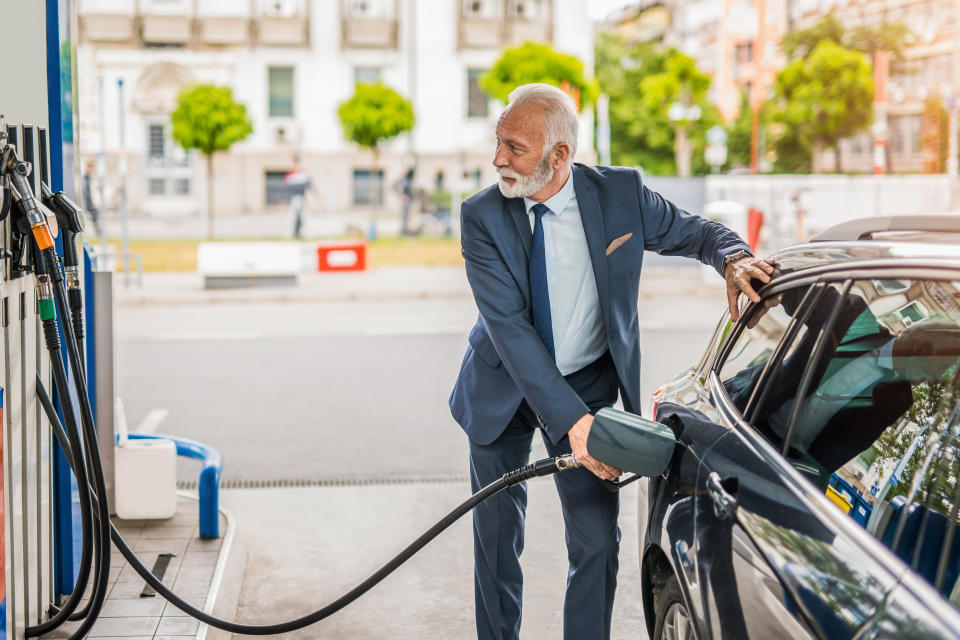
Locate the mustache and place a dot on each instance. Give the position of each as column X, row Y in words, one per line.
column 503, row 172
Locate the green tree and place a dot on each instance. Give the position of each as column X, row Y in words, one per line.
column 373, row 114
column 793, row 147
column 537, row 62
column 207, row 118
column 739, row 135
column 891, row 37
column 824, row 98
column 800, row 44
column 641, row 133
column 681, row 89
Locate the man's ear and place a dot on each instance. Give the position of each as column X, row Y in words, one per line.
column 561, row 154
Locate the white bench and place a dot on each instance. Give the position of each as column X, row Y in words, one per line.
column 226, row 265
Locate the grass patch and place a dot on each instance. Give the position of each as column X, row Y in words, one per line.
column 181, row 255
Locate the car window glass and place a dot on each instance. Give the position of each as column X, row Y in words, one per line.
column 876, row 428
column 756, row 343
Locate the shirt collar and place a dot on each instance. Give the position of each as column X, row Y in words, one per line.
column 559, row 201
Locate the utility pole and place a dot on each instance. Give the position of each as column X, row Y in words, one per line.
column 759, row 78
column 952, row 159
column 124, row 215
column 881, row 72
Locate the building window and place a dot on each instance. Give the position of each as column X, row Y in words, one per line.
column 366, row 75
column 915, row 125
column 896, row 142
column 526, row 10
column 276, row 190
column 368, row 186
column 369, row 9
column 168, row 166
column 156, row 144
column 481, row 9
column 477, row 102
column 281, row 92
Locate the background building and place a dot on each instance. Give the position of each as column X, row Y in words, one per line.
column 292, row 62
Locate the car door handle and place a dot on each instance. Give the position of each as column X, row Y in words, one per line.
column 724, row 502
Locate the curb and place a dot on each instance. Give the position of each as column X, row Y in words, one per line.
column 223, row 596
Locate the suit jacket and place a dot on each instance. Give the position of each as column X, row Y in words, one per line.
column 506, row 361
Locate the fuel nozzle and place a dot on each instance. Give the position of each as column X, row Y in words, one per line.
column 69, row 215
column 34, row 218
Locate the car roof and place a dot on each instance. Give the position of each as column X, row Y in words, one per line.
column 879, row 227
column 912, row 240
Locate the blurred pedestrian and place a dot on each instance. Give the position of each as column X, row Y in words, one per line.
column 297, row 182
column 404, row 186
column 90, row 203
column 439, row 204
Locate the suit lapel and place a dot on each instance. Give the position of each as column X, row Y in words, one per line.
column 521, row 221
column 519, row 227
column 592, row 219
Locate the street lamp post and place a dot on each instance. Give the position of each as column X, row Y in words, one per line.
column 683, row 116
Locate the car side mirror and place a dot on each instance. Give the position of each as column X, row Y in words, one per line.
column 631, row 443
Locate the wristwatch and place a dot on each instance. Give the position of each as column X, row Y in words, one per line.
column 733, row 257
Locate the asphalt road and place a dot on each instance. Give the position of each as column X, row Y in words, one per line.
column 331, row 391
column 358, row 390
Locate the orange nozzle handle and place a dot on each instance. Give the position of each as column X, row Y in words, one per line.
column 41, row 233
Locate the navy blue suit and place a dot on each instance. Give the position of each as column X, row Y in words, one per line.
column 509, row 382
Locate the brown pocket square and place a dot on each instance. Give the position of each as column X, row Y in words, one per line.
column 618, row 242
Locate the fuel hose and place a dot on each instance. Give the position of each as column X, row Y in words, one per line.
column 544, row 467
column 83, row 457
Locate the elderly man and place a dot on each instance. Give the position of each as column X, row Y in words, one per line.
column 553, row 255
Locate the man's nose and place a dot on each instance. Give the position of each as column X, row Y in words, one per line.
column 500, row 158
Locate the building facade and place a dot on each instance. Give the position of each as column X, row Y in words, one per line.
column 292, row 63
column 918, row 92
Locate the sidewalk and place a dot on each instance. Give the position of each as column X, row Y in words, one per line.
column 254, row 225
column 205, row 573
column 388, row 283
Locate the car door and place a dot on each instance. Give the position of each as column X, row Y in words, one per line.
column 784, row 559
column 704, row 563
column 791, row 490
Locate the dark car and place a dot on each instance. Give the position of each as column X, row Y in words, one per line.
column 814, row 488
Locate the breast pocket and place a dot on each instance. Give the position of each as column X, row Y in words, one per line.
column 483, row 346
column 627, row 257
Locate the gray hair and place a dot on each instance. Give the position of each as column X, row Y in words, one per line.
column 561, row 113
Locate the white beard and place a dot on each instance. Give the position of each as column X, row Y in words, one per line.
column 525, row 186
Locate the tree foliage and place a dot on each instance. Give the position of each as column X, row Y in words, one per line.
column 794, row 146
column 824, row 97
column 375, row 113
column 867, row 39
column 536, row 62
column 740, row 134
column 642, row 80
column 209, row 119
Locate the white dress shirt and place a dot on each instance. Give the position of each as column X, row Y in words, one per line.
column 579, row 336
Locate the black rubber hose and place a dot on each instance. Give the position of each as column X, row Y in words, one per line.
column 540, row 468
column 543, row 467
column 101, row 582
column 71, row 260
column 88, row 535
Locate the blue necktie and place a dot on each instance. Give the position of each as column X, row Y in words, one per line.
column 539, row 295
